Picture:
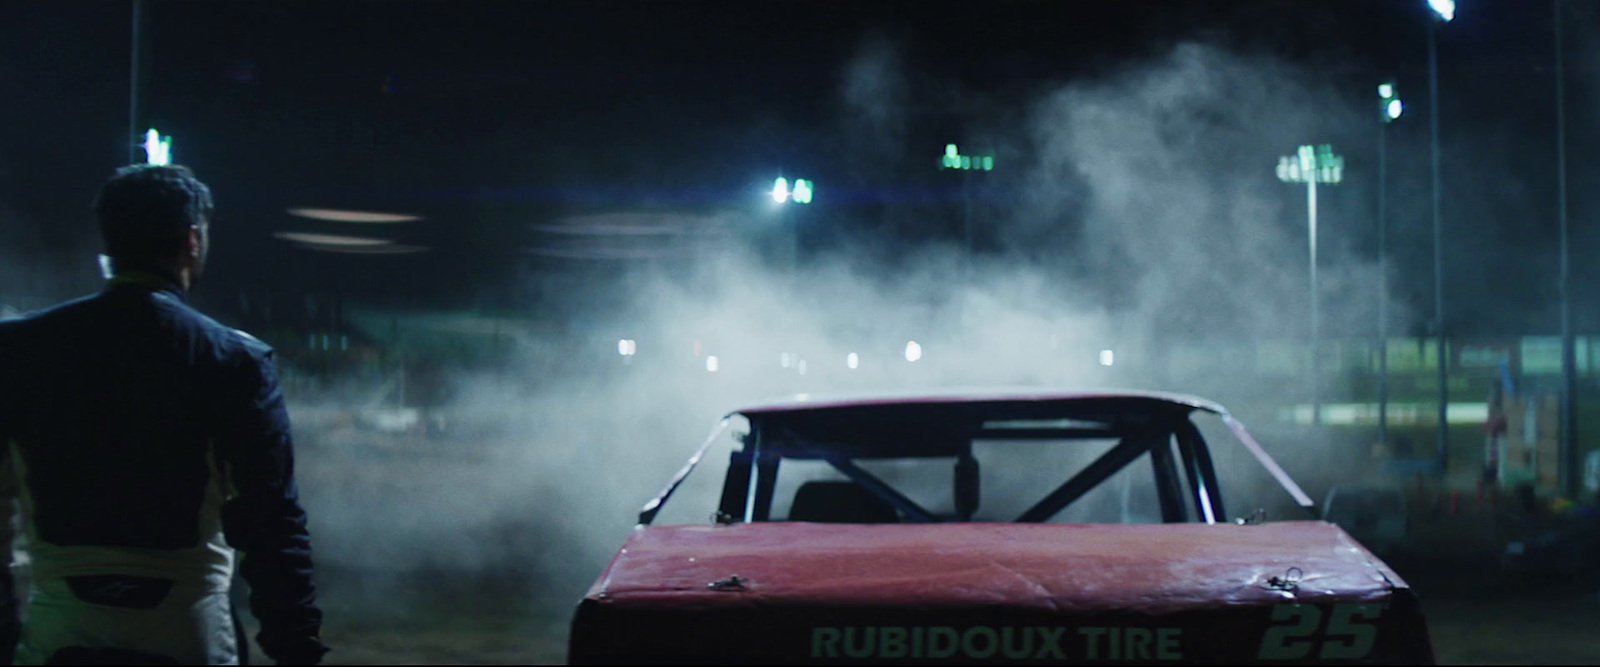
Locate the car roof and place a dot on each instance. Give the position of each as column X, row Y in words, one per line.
column 941, row 422
column 1132, row 398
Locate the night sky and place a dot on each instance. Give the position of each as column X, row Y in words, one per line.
column 487, row 117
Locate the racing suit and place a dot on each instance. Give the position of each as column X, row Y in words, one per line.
column 144, row 443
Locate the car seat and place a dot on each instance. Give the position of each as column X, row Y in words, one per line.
column 840, row 502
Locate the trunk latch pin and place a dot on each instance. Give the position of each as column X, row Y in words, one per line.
column 1289, row 582
column 733, row 583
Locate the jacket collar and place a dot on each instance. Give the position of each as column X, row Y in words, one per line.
column 151, row 280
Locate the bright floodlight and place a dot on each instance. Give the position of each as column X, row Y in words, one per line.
column 913, row 351
column 627, row 347
column 1389, row 101
column 157, row 149
column 1446, row 9
column 711, row 364
column 1107, row 357
column 802, row 191
column 780, row 190
column 852, row 361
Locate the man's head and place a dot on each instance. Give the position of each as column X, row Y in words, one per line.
column 155, row 218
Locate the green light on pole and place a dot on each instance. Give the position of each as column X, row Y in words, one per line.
column 157, row 149
column 800, row 194
column 1389, row 102
column 802, row 191
column 953, row 159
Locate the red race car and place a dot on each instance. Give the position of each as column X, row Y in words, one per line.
column 992, row 527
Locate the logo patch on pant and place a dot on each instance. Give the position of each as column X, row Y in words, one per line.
column 120, row 590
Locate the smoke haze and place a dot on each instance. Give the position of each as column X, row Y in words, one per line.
column 1146, row 214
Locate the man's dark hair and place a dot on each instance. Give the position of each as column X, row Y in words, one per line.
column 145, row 211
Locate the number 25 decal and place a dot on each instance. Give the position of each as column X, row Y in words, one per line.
column 1347, row 637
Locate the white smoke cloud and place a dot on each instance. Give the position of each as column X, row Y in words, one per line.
column 1150, row 219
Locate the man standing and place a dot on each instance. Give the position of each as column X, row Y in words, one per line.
column 145, row 442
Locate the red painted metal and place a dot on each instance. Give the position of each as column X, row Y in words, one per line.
column 659, row 599
column 1152, row 568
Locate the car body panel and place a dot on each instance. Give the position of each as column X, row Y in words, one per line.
column 800, row 592
column 1144, row 568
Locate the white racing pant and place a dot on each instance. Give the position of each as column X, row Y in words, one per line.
column 129, row 605
column 191, row 624
column 90, row 603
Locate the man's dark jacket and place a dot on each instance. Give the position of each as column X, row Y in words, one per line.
column 121, row 404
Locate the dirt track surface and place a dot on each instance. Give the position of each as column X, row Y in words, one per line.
column 1480, row 615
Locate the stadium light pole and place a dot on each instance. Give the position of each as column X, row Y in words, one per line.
column 785, row 193
column 953, row 159
column 1444, row 11
column 1571, row 483
column 1312, row 165
column 136, row 42
column 1389, row 110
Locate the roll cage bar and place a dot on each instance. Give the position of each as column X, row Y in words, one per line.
column 1171, row 439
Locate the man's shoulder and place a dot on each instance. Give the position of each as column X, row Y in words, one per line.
column 43, row 318
column 226, row 337
column 255, row 346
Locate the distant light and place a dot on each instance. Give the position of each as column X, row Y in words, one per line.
column 1107, row 357
column 390, row 249
column 1308, row 158
column 852, row 361
column 1385, row 90
column 627, row 347
column 1394, row 109
column 913, row 351
column 785, row 360
column 331, row 239
column 1446, row 9
column 338, row 215
column 780, row 190
column 157, row 149
column 950, row 151
column 988, row 163
column 802, row 366
column 802, row 191
column 711, row 363
column 344, row 342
